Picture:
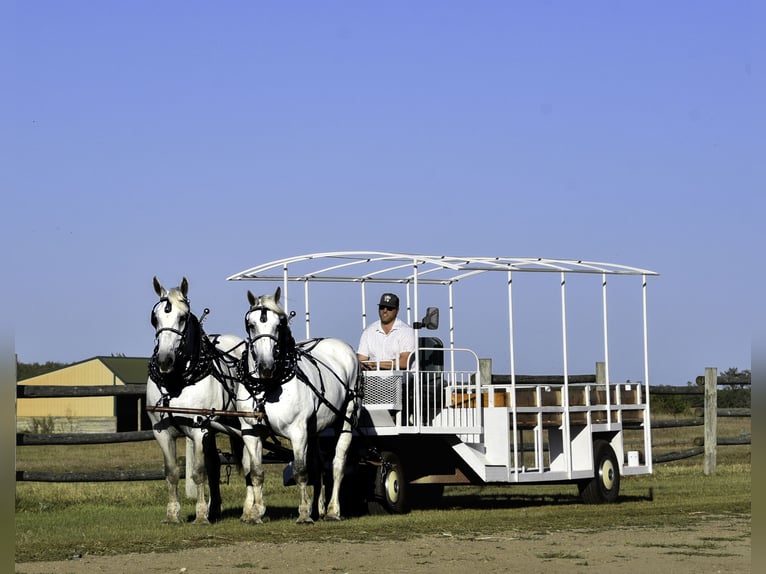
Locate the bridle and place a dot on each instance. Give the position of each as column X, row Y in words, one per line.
column 167, row 309
column 193, row 351
column 285, row 354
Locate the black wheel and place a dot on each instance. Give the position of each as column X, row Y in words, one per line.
column 390, row 494
column 605, row 486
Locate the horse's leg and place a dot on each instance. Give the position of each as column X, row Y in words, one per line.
column 199, row 477
column 315, row 463
column 213, row 472
column 301, row 474
column 167, row 444
column 254, row 507
column 339, row 464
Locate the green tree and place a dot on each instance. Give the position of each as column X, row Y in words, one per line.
column 734, row 378
column 29, row 370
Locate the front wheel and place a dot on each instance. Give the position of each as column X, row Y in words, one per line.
column 604, row 487
column 390, row 494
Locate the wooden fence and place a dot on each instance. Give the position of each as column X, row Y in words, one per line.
column 707, row 386
column 708, row 420
column 51, row 391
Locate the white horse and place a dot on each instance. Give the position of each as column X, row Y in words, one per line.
column 297, row 391
column 190, row 374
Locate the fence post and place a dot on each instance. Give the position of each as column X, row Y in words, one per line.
column 711, row 419
column 191, row 488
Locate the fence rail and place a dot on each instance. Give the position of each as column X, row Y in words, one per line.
column 51, row 391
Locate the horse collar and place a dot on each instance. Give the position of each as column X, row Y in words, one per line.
column 287, row 356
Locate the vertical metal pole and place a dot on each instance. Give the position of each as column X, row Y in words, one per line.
column 606, row 350
column 415, row 294
column 286, row 304
column 417, row 390
column 451, row 328
column 711, row 419
column 364, row 305
column 510, row 330
column 306, row 304
column 565, row 391
column 511, row 349
column 647, row 418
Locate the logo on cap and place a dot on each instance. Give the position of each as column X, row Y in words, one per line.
column 389, row 300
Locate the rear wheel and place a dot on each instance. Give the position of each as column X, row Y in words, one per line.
column 390, row 494
column 604, row 487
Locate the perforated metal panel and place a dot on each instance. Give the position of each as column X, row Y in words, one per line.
column 383, row 391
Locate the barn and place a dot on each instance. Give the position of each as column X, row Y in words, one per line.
column 87, row 414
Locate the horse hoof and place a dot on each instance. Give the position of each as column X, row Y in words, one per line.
column 248, row 520
column 333, row 518
column 304, row 520
column 171, row 521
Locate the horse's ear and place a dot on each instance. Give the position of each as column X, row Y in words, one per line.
column 277, row 294
column 250, row 298
column 184, row 286
column 158, row 288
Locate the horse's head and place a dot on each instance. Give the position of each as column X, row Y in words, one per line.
column 171, row 319
column 267, row 333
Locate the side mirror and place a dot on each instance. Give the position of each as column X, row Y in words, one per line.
column 430, row 320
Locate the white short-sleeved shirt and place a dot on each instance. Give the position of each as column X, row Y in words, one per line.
column 381, row 346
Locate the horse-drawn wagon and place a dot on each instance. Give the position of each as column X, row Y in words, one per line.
column 450, row 419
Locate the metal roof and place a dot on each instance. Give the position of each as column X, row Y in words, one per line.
column 386, row 267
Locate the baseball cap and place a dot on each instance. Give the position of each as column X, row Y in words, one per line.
column 389, row 300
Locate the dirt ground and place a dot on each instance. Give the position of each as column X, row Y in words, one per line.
column 718, row 546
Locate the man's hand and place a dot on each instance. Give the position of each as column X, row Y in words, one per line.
column 374, row 365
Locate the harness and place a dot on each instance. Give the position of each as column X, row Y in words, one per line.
column 201, row 358
column 288, row 356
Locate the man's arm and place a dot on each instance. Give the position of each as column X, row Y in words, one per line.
column 365, row 363
column 368, row 365
column 404, row 359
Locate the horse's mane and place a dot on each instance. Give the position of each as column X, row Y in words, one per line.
column 176, row 297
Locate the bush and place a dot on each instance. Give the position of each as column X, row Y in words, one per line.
column 733, row 398
column 670, row 404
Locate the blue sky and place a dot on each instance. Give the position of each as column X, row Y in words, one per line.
column 200, row 139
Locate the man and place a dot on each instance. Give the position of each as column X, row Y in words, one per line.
column 389, row 342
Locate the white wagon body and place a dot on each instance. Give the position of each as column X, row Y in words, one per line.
column 450, row 419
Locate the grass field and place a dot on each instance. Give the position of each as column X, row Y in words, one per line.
column 56, row 521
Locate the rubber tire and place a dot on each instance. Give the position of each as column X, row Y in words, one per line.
column 605, row 486
column 391, row 495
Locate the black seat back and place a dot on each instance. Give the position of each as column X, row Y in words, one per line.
column 431, row 355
